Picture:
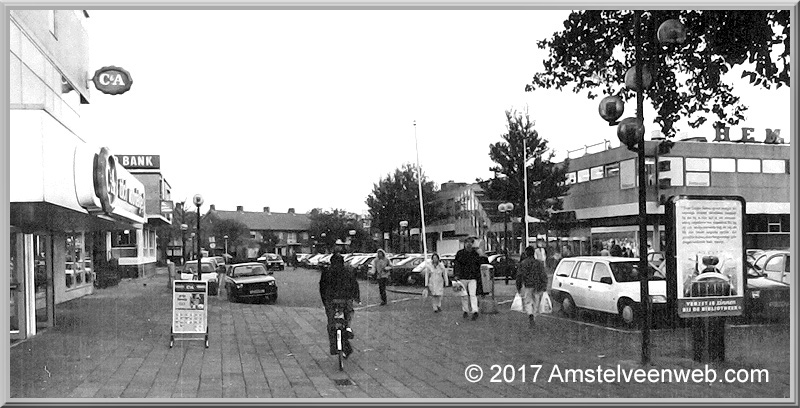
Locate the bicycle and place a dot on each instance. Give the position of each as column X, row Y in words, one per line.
column 340, row 324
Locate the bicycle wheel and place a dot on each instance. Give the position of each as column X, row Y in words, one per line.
column 339, row 348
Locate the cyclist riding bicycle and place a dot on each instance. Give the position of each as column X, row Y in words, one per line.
column 337, row 283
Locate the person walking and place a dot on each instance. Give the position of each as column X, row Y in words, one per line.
column 338, row 284
column 615, row 250
column 435, row 280
column 381, row 267
column 531, row 283
column 467, row 271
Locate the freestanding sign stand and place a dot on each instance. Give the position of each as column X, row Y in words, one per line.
column 706, row 251
column 189, row 311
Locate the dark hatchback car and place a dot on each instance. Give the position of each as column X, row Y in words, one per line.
column 765, row 298
column 250, row 280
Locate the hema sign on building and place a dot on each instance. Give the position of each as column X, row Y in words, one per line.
column 103, row 186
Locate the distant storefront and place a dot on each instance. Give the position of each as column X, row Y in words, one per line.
column 602, row 204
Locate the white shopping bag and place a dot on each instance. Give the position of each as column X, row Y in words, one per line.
column 516, row 305
column 545, row 305
column 425, row 293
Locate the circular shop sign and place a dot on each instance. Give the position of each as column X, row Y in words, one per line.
column 112, row 80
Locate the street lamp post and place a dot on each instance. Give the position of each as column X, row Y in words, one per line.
column 506, row 209
column 631, row 133
column 403, row 226
column 352, row 235
column 191, row 244
column 184, row 227
column 198, row 201
column 226, row 246
column 323, row 241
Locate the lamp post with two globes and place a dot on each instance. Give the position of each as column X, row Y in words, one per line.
column 631, row 133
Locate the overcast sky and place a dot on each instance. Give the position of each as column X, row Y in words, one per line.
column 309, row 109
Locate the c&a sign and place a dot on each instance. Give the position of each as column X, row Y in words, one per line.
column 102, row 186
column 112, row 80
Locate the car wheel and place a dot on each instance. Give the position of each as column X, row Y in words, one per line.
column 412, row 280
column 627, row 312
column 568, row 306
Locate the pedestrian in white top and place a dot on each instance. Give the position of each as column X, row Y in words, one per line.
column 435, row 280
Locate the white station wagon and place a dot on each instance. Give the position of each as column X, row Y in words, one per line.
column 605, row 284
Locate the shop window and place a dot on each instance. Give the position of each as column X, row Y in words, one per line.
column 719, row 165
column 583, row 175
column 78, row 266
column 773, row 166
column 126, row 238
column 748, row 165
column 612, row 170
column 596, row 173
column 697, row 164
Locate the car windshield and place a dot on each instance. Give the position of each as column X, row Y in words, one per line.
column 629, row 272
column 248, row 270
column 205, row 267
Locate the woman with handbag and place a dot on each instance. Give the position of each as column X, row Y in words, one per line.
column 435, row 281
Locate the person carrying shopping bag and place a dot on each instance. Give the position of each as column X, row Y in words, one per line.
column 531, row 283
column 435, row 281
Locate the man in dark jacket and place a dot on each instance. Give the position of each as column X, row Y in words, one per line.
column 531, row 283
column 467, row 271
column 337, row 283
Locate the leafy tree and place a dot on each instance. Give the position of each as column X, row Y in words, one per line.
column 335, row 223
column 545, row 178
column 596, row 48
column 236, row 231
column 269, row 240
column 396, row 198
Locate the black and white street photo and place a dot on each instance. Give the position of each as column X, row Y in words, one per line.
column 257, row 204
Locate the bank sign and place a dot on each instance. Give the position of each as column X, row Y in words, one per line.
column 709, row 255
column 112, row 80
column 139, row 161
column 104, row 187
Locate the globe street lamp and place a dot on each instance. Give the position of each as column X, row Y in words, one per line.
column 322, row 236
column 352, row 235
column 631, row 133
column 506, row 209
column 184, row 227
column 198, row 201
column 403, row 226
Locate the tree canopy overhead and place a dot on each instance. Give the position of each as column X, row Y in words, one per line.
column 596, row 48
column 396, row 197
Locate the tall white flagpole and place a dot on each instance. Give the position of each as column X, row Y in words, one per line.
column 525, row 173
column 419, row 184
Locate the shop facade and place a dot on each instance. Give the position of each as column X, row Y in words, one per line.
column 602, row 204
column 137, row 250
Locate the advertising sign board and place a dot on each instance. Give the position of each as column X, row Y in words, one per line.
column 189, row 307
column 709, row 256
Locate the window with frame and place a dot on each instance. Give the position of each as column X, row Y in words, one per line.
column 600, row 271
column 612, row 170
column 748, row 165
column 596, row 173
column 722, row 165
column 583, row 271
column 291, row 237
column 697, row 164
column 583, row 175
column 773, row 166
column 126, row 238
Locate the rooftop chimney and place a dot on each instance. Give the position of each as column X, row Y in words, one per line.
column 291, row 211
column 266, row 210
column 240, row 208
column 211, row 207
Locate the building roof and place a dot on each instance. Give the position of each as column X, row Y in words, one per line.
column 259, row 221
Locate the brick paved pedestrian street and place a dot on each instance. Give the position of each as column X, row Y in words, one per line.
column 115, row 344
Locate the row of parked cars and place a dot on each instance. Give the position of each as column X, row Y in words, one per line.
column 248, row 280
column 612, row 285
column 406, row 269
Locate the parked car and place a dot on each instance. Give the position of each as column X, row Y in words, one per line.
column 765, row 298
column 402, row 271
column 364, row 265
column 774, row 264
column 209, row 274
column 272, row 261
column 448, row 260
column 313, row 260
column 250, row 280
column 503, row 266
column 605, row 284
column 302, row 259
